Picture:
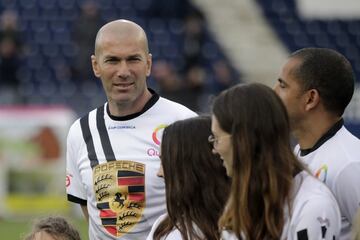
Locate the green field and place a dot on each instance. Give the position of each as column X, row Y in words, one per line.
column 16, row 230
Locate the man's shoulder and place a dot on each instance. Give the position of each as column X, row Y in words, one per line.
column 76, row 125
column 174, row 107
column 345, row 146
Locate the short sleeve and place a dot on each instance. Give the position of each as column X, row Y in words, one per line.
column 347, row 190
column 74, row 187
column 319, row 219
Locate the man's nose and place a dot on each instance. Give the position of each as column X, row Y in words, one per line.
column 123, row 70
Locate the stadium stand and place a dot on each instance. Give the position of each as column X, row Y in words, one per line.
column 45, row 27
column 297, row 32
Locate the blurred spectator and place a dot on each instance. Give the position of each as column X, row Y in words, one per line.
column 164, row 8
column 168, row 80
column 10, row 54
column 224, row 76
column 187, row 90
column 53, row 228
column 194, row 89
column 83, row 34
column 194, row 38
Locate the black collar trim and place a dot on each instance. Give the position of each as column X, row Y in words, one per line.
column 154, row 98
column 329, row 134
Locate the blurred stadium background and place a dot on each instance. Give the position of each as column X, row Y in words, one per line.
column 199, row 48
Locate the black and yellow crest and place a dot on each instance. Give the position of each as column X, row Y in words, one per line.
column 120, row 194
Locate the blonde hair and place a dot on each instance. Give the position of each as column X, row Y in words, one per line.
column 55, row 226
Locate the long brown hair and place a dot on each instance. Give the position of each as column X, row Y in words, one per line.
column 196, row 183
column 263, row 162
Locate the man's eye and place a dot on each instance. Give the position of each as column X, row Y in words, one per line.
column 135, row 59
column 111, row 60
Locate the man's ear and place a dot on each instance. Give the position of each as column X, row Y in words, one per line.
column 95, row 66
column 312, row 99
column 149, row 64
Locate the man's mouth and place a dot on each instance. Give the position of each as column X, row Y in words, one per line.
column 123, row 86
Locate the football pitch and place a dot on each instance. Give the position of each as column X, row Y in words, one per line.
column 17, row 230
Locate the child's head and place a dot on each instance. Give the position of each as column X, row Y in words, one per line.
column 53, row 228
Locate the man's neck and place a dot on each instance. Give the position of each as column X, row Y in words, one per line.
column 120, row 109
column 309, row 133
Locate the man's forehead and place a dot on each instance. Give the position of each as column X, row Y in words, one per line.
column 123, row 46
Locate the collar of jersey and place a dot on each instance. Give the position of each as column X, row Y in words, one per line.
column 331, row 132
column 154, row 98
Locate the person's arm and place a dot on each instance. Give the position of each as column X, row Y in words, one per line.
column 75, row 190
column 319, row 218
column 85, row 212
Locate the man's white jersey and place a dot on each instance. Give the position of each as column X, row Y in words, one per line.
column 335, row 160
column 314, row 215
column 112, row 164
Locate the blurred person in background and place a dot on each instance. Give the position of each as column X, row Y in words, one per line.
column 196, row 183
column 113, row 152
column 316, row 85
column 53, row 228
column 194, row 38
column 224, row 76
column 83, row 35
column 193, row 91
column 168, row 80
column 187, row 90
column 272, row 195
column 10, row 56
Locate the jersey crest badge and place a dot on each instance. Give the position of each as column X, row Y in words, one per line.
column 120, row 195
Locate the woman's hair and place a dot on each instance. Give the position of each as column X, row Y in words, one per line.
column 263, row 162
column 57, row 227
column 196, row 182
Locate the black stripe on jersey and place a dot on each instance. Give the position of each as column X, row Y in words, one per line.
column 133, row 189
column 84, row 123
column 104, row 205
column 74, row 199
column 104, row 136
column 302, row 235
column 129, row 174
column 108, row 221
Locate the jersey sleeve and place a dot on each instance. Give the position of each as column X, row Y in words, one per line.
column 74, row 187
column 347, row 190
column 319, row 219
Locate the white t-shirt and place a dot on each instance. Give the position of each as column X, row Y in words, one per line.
column 113, row 171
column 173, row 235
column 315, row 214
column 335, row 160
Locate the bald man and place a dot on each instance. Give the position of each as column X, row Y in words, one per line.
column 113, row 151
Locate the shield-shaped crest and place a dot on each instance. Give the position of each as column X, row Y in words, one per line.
column 120, row 193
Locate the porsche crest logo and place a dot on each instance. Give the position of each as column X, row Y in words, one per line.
column 120, row 194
